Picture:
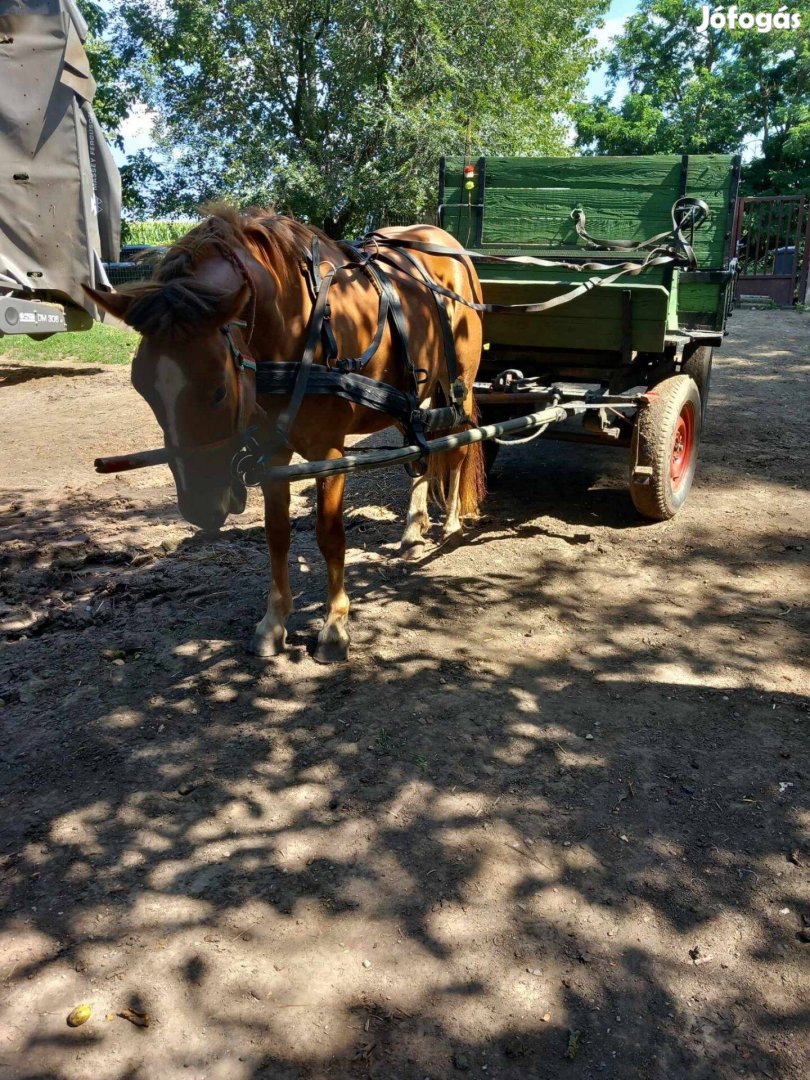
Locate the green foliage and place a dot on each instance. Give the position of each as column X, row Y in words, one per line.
column 339, row 109
column 99, row 345
column 707, row 92
column 120, row 82
column 117, row 80
column 156, row 232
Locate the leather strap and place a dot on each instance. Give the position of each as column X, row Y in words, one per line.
column 458, row 389
column 287, row 418
column 627, row 269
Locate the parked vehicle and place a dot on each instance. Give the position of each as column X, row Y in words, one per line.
column 60, row 191
column 652, row 332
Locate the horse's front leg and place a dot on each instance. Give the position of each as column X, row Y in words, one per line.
column 270, row 635
column 333, row 640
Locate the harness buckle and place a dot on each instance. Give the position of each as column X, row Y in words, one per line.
column 248, row 463
column 459, row 391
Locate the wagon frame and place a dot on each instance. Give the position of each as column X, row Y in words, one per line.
column 646, row 335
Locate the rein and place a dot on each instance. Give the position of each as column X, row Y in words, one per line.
column 342, row 376
column 375, row 249
column 242, row 362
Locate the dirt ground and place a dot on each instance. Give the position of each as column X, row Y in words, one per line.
column 551, row 821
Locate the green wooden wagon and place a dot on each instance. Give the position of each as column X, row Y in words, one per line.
column 653, row 332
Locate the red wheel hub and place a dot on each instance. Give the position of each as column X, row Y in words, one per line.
column 683, row 445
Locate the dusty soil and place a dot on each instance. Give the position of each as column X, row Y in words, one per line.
column 551, row 821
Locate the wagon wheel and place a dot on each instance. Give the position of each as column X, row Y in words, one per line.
column 664, row 448
column 697, row 363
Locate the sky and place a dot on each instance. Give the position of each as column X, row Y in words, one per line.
column 136, row 129
column 614, row 22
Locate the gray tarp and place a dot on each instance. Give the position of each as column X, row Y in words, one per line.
column 60, row 191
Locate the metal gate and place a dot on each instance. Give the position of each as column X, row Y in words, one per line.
column 772, row 244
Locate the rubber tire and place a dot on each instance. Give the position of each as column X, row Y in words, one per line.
column 697, row 363
column 651, row 445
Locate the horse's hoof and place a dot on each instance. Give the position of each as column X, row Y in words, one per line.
column 331, row 652
column 412, row 550
column 268, row 644
column 452, row 539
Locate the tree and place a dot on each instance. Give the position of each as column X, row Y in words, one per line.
column 339, row 109
column 115, row 90
column 119, row 85
column 714, row 91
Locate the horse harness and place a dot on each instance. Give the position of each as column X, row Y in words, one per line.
column 342, row 377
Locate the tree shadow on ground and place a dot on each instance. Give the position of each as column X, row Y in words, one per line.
column 548, row 821
column 498, row 840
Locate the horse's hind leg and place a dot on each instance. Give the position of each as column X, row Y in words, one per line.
column 333, row 640
column 418, row 521
column 452, row 523
column 465, row 487
column 270, row 635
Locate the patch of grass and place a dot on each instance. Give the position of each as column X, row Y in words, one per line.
column 386, row 742
column 155, row 231
column 421, row 762
column 99, row 345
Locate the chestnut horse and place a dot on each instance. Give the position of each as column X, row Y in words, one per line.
column 249, row 267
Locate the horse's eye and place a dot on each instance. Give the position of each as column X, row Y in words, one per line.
column 219, row 396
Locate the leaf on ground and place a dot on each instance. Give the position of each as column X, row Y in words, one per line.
column 139, row 1019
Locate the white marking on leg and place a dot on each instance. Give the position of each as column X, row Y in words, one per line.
column 418, row 520
column 452, row 523
column 170, row 381
column 271, row 631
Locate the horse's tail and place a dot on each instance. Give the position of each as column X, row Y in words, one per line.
column 473, row 486
column 473, row 480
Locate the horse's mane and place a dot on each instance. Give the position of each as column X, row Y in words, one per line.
column 175, row 301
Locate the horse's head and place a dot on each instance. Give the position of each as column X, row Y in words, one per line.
column 187, row 364
column 188, row 367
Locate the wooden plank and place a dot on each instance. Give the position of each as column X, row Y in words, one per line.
column 698, row 297
column 709, row 178
column 528, row 274
column 528, row 201
column 592, row 321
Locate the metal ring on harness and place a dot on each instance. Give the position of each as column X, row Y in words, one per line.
column 371, row 239
column 247, row 464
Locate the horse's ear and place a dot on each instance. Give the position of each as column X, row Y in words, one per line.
column 117, row 304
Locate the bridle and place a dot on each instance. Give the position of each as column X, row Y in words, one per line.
column 243, row 363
